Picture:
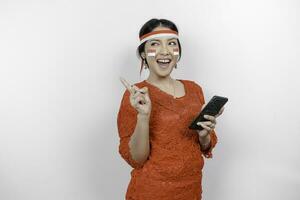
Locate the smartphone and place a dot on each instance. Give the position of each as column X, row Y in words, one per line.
column 212, row 108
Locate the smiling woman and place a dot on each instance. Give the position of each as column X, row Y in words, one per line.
column 159, row 33
column 153, row 121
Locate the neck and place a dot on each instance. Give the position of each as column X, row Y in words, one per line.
column 161, row 81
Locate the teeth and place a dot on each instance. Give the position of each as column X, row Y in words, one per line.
column 164, row 60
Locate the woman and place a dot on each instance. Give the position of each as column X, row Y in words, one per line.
column 153, row 121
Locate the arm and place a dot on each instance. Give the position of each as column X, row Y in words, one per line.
column 133, row 130
column 139, row 141
column 205, row 142
column 208, row 143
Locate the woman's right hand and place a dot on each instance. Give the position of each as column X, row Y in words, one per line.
column 139, row 98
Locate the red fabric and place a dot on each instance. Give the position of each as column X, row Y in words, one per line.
column 173, row 170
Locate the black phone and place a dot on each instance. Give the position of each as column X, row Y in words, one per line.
column 212, row 108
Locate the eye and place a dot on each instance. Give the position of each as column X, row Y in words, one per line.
column 154, row 43
column 172, row 43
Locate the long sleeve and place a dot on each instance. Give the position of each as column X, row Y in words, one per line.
column 208, row 152
column 126, row 121
column 214, row 139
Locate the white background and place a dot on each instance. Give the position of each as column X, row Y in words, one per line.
column 60, row 63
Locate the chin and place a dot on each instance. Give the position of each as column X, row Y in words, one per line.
column 170, row 68
column 164, row 72
column 163, row 75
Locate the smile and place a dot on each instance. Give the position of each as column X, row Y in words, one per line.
column 163, row 63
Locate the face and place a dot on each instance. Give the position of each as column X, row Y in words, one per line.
column 161, row 54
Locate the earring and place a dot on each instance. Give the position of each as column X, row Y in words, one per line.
column 176, row 63
column 144, row 64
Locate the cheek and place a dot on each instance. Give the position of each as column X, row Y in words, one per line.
column 175, row 51
column 151, row 52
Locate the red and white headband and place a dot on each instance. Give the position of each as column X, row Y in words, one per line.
column 158, row 34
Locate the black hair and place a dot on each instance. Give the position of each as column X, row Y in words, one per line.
column 149, row 26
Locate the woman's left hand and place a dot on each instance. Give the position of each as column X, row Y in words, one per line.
column 208, row 125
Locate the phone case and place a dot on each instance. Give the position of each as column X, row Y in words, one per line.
column 212, row 108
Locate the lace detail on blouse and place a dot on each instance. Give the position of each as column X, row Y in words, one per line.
column 173, row 170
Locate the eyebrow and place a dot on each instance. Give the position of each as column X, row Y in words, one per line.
column 160, row 40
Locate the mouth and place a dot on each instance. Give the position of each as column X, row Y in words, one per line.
column 164, row 63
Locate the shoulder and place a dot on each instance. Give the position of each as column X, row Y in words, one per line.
column 192, row 84
column 196, row 88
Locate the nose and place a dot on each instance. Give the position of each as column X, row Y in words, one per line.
column 164, row 50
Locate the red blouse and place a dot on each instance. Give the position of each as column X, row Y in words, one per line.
column 173, row 170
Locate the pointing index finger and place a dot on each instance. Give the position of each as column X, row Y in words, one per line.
column 127, row 85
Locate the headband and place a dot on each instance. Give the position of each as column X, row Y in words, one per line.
column 157, row 34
